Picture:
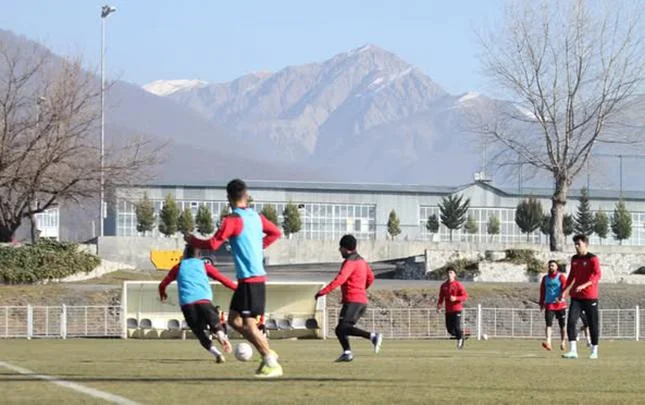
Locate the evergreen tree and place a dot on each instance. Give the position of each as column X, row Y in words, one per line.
column 493, row 226
column 168, row 217
column 270, row 213
column 186, row 223
column 204, row 220
column 601, row 225
column 393, row 225
column 471, row 225
column 528, row 216
column 291, row 222
column 584, row 219
column 545, row 226
column 226, row 210
column 432, row 225
column 621, row 222
column 145, row 211
column 568, row 225
column 453, row 212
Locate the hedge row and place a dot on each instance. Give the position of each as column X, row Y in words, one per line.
column 46, row 260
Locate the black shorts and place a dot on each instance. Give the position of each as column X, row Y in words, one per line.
column 199, row 317
column 351, row 312
column 560, row 314
column 249, row 299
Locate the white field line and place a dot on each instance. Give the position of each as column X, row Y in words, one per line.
column 115, row 399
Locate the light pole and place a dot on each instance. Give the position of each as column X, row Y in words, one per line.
column 105, row 12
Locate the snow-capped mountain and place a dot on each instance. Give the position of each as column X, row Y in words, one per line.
column 168, row 87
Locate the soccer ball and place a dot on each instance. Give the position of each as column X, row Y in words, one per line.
column 485, row 336
column 243, row 351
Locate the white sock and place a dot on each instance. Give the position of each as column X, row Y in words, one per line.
column 270, row 360
column 573, row 346
column 347, row 352
column 372, row 335
column 548, row 340
column 214, row 351
column 594, row 349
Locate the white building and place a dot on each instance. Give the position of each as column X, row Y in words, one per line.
column 328, row 210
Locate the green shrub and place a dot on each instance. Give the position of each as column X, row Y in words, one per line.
column 466, row 270
column 47, row 260
column 526, row 256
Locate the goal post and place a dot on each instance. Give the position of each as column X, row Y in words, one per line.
column 290, row 309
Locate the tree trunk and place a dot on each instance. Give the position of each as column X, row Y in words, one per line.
column 559, row 200
column 6, row 233
column 451, row 235
column 33, row 229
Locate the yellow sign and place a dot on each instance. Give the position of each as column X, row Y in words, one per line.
column 164, row 260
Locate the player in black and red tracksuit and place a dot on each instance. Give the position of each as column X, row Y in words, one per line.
column 354, row 278
column 582, row 286
column 454, row 294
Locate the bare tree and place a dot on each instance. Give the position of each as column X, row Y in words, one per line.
column 49, row 149
column 568, row 69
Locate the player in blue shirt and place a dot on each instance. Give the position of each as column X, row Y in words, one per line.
column 196, row 299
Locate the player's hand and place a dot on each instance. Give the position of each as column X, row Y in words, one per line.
column 438, row 309
column 163, row 296
column 453, row 298
column 541, row 308
column 580, row 288
column 318, row 295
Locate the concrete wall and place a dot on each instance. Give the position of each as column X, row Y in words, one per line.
column 618, row 262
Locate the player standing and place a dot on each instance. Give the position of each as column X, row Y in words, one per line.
column 454, row 294
column 354, row 278
column 551, row 287
column 248, row 234
column 196, row 298
column 582, row 286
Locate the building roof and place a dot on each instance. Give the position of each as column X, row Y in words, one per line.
column 595, row 194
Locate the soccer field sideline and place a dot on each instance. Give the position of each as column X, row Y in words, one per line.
column 495, row 371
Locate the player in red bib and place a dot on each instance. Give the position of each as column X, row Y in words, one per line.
column 582, row 285
column 354, row 279
column 454, row 294
column 551, row 288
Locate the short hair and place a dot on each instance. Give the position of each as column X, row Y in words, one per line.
column 236, row 189
column 190, row 252
column 348, row 242
column 553, row 261
column 451, row 268
column 581, row 238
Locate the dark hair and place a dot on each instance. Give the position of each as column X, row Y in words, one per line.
column 190, row 252
column 236, row 189
column 581, row 238
column 451, row 268
column 348, row 242
column 553, row 261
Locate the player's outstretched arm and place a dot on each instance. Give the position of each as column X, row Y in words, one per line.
column 231, row 226
column 215, row 274
column 341, row 277
column 170, row 277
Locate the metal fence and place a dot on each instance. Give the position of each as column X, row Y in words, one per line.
column 395, row 323
column 60, row 321
column 424, row 323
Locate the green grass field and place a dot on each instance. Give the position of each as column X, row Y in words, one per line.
column 423, row 372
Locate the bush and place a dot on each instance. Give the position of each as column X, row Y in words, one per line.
column 526, row 256
column 640, row 270
column 47, row 260
column 466, row 270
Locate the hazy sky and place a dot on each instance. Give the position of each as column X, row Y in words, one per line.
column 220, row 40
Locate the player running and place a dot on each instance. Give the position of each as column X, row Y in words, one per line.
column 551, row 289
column 248, row 234
column 354, row 278
column 454, row 294
column 582, row 286
column 196, row 299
